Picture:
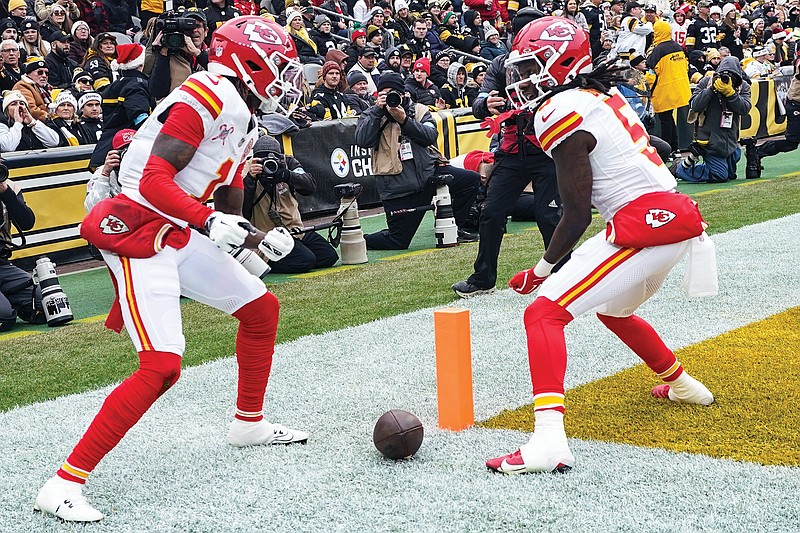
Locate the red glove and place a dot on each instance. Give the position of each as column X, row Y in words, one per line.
column 525, row 282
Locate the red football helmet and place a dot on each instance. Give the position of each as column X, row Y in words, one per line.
column 546, row 53
column 261, row 54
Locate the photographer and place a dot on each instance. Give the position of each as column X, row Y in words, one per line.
column 402, row 136
column 18, row 297
column 269, row 202
column 104, row 182
column 719, row 103
column 179, row 49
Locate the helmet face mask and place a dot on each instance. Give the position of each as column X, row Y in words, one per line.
column 260, row 54
column 546, row 53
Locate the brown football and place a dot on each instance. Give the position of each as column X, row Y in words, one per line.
column 398, row 434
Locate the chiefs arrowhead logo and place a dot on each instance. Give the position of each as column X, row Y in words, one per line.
column 655, row 218
column 112, row 225
column 558, row 31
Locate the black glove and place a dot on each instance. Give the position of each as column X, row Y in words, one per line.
column 282, row 175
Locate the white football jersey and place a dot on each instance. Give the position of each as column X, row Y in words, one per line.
column 229, row 132
column 624, row 165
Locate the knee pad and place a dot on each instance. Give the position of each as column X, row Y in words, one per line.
column 543, row 309
column 263, row 310
column 163, row 367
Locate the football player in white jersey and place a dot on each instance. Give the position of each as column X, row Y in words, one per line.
column 192, row 148
column 603, row 159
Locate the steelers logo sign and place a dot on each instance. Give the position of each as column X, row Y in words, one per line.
column 340, row 163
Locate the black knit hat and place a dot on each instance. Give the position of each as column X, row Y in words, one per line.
column 391, row 80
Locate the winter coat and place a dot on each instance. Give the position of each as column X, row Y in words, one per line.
column 706, row 101
column 669, row 84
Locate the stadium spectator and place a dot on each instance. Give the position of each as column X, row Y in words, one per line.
column 490, row 10
column 322, row 35
column 473, row 25
column 217, row 12
column 632, row 38
column 391, row 61
column 17, row 11
column 375, row 39
column 60, row 66
column 406, row 60
column 268, row 192
column 127, row 102
column 327, row 101
column 10, row 71
column 761, row 66
column 172, row 67
column 56, row 20
column 91, row 115
column 437, row 45
column 94, row 14
column 403, row 164
column 573, row 13
column 104, row 182
column 680, row 25
column 418, row 43
column 492, row 47
column 366, row 65
column 452, row 36
column 81, row 81
column 65, row 121
column 120, row 16
column 715, row 14
column 454, row 92
column 306, row 48
column 783, row 53
column 730, row 34
column 477, row 73
column 362, row 11
column 720, row 101
column 358, row 96
column 758, row 36
column 18, row 295
column 32, row 43
column 81, row 41
column 341, row 8
column 420, row 89
column 19, row 130
column 98, row 60
column 438, row 75
column 358, row 40
column 702, row 32
column 792, row 135
column 338, row 57
column 8, row 30
column 403, row 21
column 596, row 22
column 669, row 81
column 713, row 59
column 35, row 88
column 149, row 9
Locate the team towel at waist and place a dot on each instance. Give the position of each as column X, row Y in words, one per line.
column 126, row 228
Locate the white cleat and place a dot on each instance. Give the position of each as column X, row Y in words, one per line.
column 243, row 434
column 537, row 455
column 685, row 389
column 64, row 499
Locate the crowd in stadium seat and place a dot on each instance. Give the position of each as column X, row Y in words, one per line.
column 61, row 56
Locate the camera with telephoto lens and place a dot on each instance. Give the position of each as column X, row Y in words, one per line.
column 394, row 98
column 347, row 190
column 3, row 172
column 54, row 302
column 174, row 27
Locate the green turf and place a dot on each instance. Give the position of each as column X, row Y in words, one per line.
column 82, row 356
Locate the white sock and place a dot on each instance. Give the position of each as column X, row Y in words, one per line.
column 549, row 423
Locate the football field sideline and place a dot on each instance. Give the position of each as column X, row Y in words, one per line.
column 175, row 472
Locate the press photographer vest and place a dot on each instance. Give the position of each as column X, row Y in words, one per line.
column 386, row 156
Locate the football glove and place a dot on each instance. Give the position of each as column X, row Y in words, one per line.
column 525, row 282
column 277, row 244
column 725, row 89
column 228, row 232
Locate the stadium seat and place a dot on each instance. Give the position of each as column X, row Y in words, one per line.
column 311, row 73
column 121, row 37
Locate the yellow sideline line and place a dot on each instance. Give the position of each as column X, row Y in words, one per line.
column 325, row 272
column 408, row 254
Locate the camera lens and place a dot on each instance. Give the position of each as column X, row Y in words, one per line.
column 3, row 172
column 394, row 99
column 270, row 166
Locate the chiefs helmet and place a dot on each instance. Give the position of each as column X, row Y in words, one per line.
column 546, row 53
column 261, row 54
